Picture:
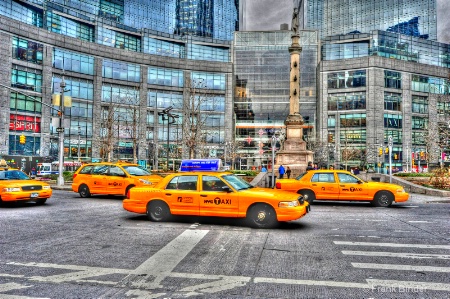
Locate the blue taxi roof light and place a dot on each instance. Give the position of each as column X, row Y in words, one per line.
column 201, row 165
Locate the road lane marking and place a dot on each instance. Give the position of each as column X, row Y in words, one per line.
column 420, row 221
column 397, row 254
column 392, row 245
column 396, row 284
column 172, row 254
column 401, row 267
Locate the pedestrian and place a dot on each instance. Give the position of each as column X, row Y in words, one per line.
column 316, row 166
column 309, row 167
column 356, row 171
column 281, row 171
column 288, row 172
column 263, row 169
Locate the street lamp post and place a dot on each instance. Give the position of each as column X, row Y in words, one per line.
column 60, row 181
column 79, row 133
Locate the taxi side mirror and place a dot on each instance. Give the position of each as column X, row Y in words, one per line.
column 226, row 189
column 360, row 182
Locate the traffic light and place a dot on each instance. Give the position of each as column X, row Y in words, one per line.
column 22, row 139
column 386, row 151
column 395, row 156
column 380, row 151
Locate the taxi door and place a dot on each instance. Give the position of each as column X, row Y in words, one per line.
column 325, row 186
column 182, row 196
column 351, row 187
column 117, row 180
column 98, row 180
column 216, row 202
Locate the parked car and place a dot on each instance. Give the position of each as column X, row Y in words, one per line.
column 342, row 185
column 111, row 178
column 215, row 193
column 15, row 185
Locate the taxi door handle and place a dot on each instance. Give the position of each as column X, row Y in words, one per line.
column 168, row 194
column 203, row 195
column 342, row 185
column 314, row 184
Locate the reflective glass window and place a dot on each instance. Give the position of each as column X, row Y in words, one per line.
column 392, row 101
column 72, row 61
column 69, row 27
column 165, row 77
column 121, row 71
column 26, row 78
column 27, row 50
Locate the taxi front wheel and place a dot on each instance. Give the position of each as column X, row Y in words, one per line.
column 158, row 211
column 261, row 216
column 309, row 196
column 382, row 199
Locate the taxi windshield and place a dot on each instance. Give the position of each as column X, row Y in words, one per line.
column 237, row 182
column 136, row 170
column 13, row 175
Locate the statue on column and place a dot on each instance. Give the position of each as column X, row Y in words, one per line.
column 294, row 23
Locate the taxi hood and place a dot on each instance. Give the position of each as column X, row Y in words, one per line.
column 269, row 192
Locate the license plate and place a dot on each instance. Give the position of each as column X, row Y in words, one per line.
column 34, row 194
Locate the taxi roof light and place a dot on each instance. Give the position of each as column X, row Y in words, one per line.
column 213, row 165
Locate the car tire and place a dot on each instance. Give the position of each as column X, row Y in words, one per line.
column 308, row 195
column 84, row 191
column 261, row 216
column 158, row 211
column 382, row 199
column 41, row 201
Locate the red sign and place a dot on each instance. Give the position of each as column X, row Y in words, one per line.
column 249, row 139
column 24, row 123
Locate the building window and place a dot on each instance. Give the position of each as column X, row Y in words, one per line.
column 200, row 52
column 25, row 78
column 78, row 88
column 119, row 40
column 346, row 101
column 74, row 62
column 419, row 104
column 164, row 48
column 392, row 79
column 20, row 102
column 120, row 94
column 347, row 79
column 331, row 121
column 202, row 80
column 397, row 136
column 111, row 10
column 352, row 120
column 27, row 50
column 393, row 121
column 352, row 136
column 69, row 27
column 419, row 123
column 166, row 99
column 392, row 101
column 22, row 12
column 121, row 71
column 443, row 107
column 430, row 84
column 165, row 77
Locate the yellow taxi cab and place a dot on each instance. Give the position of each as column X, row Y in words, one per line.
column 111, row 178
column 202, row 189
column 342, row 185
column 15, row 185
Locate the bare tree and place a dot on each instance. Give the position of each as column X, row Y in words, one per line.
column 197, row 110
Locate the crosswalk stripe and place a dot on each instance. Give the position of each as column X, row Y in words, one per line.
column 392, row 245
column 401, row 267
column 397, row 254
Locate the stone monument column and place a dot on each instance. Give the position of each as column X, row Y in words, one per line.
column 294, row 153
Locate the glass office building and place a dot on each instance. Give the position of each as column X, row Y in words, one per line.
column 261, row 98
column 331, row 17
column 147, row 51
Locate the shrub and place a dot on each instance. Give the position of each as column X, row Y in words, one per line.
column 440, row 178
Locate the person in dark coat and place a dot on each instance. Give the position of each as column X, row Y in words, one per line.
column 288, row 172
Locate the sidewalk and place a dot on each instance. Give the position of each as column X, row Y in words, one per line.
column 67, row 186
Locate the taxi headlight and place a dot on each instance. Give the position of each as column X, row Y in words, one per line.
column 45, row 187
column 12, row 189
column 288, row 204
column 400, row 190
column 145, row 182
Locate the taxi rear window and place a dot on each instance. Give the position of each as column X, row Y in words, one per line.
column 87, row 169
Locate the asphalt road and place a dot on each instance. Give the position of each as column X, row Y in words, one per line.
column 91, row 248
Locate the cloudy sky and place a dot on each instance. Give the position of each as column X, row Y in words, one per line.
column 269, row 14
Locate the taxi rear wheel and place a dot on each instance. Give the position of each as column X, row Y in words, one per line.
column 382, row 199
column 84, row 191
column 261, row 216
column 308, row 195
column 158, row 211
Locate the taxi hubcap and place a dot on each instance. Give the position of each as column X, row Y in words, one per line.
column 261, row 216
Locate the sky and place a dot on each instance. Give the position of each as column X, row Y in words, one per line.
column 269, row 15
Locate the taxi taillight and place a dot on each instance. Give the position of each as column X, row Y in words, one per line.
column 128, row 194
column 74, row 176
column 278, row 185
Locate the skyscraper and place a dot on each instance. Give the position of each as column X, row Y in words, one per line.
column 332, row 17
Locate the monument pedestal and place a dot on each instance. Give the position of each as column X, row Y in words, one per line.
column 294, row 153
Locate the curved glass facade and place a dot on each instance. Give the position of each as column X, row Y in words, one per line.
column 415, row 18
